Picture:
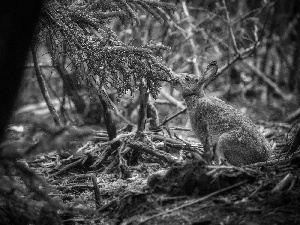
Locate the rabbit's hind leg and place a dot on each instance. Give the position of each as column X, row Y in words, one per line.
column 229, row 148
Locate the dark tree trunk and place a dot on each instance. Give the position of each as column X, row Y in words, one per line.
column 17, row 22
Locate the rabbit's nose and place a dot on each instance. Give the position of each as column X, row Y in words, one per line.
column 174, row 79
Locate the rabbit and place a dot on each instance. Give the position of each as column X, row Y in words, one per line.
column 233, row 136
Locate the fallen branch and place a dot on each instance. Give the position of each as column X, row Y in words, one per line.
column 180, row 128
column 169, row 141
column 116, row 139
column 140, row 146
column 69, row 166
column 283, row 183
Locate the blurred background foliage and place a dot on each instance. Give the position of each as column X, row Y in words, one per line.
column 115, row 46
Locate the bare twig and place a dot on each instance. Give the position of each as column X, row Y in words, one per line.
column 243, row 55
column 191, row 40
column 112, row 165
column 268, row 81
column 208, row 12
column 235, row 47
column 225, row 67
column 293, row 116
column 173, row 116
column 110, row 142
column 167, row 140
column 96, row 191
column 67, row 167
column 283, row 183
column 256, row 191
column 254, row 11
column 180, row 128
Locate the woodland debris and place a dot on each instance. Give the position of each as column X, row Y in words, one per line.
column 193, row 178
column 293, row 144
column 195, row 201
column 284, row 182
column 140, row 146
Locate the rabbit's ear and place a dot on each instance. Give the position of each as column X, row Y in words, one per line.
column 210, row 72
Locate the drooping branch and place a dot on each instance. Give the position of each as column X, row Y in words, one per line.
column 91, row 41
column 43, row 88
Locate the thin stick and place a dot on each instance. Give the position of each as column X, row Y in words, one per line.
column 172, row 117
column 97, row 192
column 243, row 55
column 141, row 146
column 253, row 12
column 268, row 81
column 180, row 128
column 235, row 47
column 191, row 40
column 67, row 167
column 195, row 201
column 111, row 142
column 43, row 88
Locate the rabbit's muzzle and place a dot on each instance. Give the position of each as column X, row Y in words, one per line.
column 175, row 80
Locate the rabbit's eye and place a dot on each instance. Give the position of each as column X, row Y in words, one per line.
column 196, row 80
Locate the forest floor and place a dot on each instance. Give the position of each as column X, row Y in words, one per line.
column 157, row 193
